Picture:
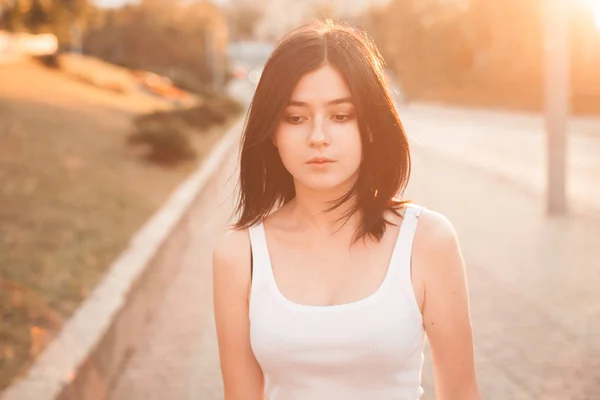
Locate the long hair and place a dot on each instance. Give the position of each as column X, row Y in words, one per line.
column 265, row 183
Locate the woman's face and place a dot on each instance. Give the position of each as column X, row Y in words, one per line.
column 318, row 138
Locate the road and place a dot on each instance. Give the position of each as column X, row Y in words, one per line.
column 511, row 145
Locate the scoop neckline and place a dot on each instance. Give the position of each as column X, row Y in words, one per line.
column 359, row 303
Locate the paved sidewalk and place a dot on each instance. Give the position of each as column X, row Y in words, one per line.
column 533, row 282
column 160, row 370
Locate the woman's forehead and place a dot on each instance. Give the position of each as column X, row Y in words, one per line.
column 324, row 85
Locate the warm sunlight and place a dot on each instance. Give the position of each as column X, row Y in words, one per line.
column 594, row 6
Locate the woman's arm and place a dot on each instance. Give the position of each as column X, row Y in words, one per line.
column 242, row 376
column 446, row 314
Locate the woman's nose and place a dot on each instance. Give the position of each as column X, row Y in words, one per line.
column 318, row 136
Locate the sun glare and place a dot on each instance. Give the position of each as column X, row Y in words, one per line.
column 594, row 8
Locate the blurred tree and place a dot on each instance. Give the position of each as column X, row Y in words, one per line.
column 38, row 17
column 243, row 19
column 482, row 52
column 421, row 41
column 434, row 44
column 13, row 16
column 54, row 16
column 184, row 41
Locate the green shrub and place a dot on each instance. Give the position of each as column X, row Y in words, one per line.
column 215, row 110
column 163, row 144
column 49, row 60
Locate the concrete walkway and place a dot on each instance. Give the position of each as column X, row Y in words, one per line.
column 179, row 359
column 533, row 280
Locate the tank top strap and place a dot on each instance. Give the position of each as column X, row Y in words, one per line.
column 260, row 253
column 401, row 261
column 409, row 225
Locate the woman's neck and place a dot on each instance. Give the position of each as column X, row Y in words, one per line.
column 309, row 210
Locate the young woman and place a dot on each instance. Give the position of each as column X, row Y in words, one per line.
column 329, row 281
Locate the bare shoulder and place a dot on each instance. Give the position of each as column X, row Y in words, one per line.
column 436, row 244
column 435, row 228
column 231, row 255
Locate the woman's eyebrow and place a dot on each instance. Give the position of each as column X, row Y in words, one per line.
column 342, row 100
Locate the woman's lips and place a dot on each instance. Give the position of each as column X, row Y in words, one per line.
column 319, row 161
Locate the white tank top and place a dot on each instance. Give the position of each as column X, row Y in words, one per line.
column 367, row 349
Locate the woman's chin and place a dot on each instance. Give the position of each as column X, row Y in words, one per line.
column 327, row 184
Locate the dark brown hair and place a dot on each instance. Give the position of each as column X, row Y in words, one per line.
column 384, row 172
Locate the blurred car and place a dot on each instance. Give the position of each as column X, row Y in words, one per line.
column 247, row 59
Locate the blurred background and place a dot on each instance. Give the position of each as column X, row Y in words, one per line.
column 110, row 107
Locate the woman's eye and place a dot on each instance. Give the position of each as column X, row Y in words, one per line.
column 341, row 117
column 294, row 119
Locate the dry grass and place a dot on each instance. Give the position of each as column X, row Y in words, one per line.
column 71, row 196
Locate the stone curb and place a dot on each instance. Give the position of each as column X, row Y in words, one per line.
column 84, row 360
